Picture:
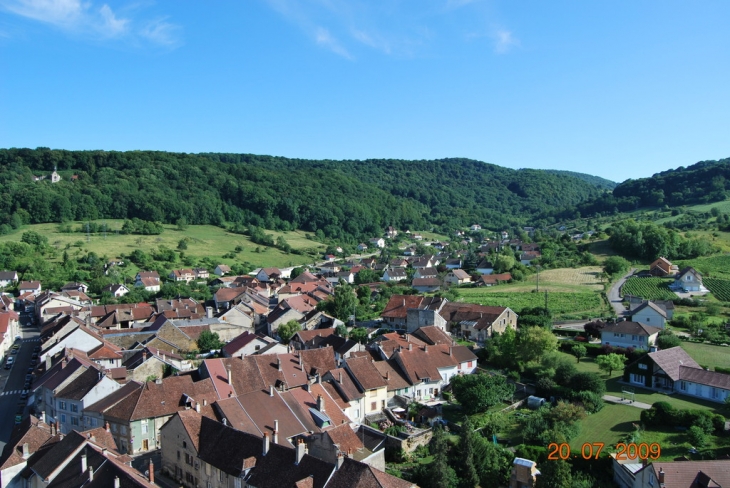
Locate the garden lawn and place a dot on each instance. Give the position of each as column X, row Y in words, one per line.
column 607, row 426
column 613, row 387
column 708, row 355
column 586, row 365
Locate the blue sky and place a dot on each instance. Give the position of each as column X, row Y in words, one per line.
column 616, row 89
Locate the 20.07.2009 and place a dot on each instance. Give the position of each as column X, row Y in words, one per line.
column 593, row 450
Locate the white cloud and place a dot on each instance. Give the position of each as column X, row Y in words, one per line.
column 161, row 32
column 504, row 41
column 325, row 39
column 87, row 19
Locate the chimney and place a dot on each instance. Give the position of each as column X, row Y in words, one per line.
column 144, row 355
column 340, row 460
column 340, row 377
column 116, row 482
column 229, row 376
column 271, row 390
column 279, row 363
column 209, row 312
column 43, row 416
column 451, row 350
column 83, row 462
column 48, row 362
column 107, row 427
column 63, row 363
column 410, row 346
column 425, row 348
column 91, row 474
column 152, row 471
column 301, row 363
column 320, row 403
column 404, row 302
column 276, row 431
column 197, row 407
column 225, row 421
column 408, row 339
column 387, row 376
column 26, row 451
column 266, row 443
column 661, row 476
column 300, row 451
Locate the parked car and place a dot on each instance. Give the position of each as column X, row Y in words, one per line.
column 18, row 419
column 9, row 362
column 37, row 349
column 34, row 356
column 34, row 362
column 24, row 395
column 29, row 377
column 13, row 351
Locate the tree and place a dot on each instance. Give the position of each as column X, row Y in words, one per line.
column 342, row 304
column 554, row 474
column 209, row 341
column 585, row 381
column 579, row 351
column 182, row 244
column 341, row 330
column 615, row 265
column 468, row 476
column 296, row 272
column 359, row 334
column 182, row 223
column 609, row 362
column 534, row 342
column 33, row 238
column 666, row 339
column 441, row 474
column 286, row 331
column 478, row 392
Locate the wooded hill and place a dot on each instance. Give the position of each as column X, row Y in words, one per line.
column 345, row 200
column 704, row 182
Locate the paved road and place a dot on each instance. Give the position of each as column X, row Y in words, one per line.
column 614, row 294
column 12, row 381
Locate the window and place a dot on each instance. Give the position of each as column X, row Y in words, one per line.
column 188, row 477
column 648, row 319
column 74, row 421
column 373, row 393
column 643, row 366
column 382, row 402
column 682, row 385
column 188, row 459
column 124, row 430
column 185, row 444
column 61, row 405
column 63, row 418
column 114, row 428
column 715, row 393
column 469, row 364
column 637, row 378
column 373, row 406
column 144, row 426
column 430, row 391
column 633, row 337
column 74, row 407
column 93, row 421
column 178, row 455
column 257, row 348
column 641, row 338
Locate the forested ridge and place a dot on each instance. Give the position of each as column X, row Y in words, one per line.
column 703, row 182
column 346, row 200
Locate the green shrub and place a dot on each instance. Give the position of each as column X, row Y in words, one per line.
column 592, row 402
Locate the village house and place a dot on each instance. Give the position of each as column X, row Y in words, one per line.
column 412, row 312
column 185, row 275
column 426, row 285
column 650, row 313
column 457, row 277
column 378, row 242
column 394, row 275
column 674, row 370
column 33, row 287
column 627, row 473
column 222, row 270
column 426, row 273
column 662, row 267
column 116, row 290
column 362, row 247
column 8, row 278
column 369, row 381
column 689, row 279
column 629, row 334
column 477, row 322
column 493, row 279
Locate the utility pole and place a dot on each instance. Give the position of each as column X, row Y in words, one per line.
column 88, row 236
column 538, row 278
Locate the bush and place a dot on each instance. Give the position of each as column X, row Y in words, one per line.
column 592, row 402
column 588, row 382
column 666, row 339
column 697, row 436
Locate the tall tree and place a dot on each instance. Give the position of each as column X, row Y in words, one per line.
column 610, row 362
column 466, row 468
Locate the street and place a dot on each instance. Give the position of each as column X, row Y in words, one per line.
column 12, row 380
column 614, row 294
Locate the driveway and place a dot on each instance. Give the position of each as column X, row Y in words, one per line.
column 614, row 294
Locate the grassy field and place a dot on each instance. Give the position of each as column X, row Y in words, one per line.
column 649, row 288
column 560, row 303
column 708, row 355
column 601, row 250
column 586, row 365
column 607, row 426
column 202, row 241
column 568, row 279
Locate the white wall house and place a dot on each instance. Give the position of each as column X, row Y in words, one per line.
column 629, row 334
column 650, row 314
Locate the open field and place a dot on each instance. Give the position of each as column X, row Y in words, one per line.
column 607, row 426
column 649, row 288
column 586, row 365
column 719, row 288
column 707, row 354
column 577, row 279
column 559, row 303
column 202, row 241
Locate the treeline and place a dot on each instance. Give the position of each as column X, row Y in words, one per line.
column 345, row 200
column 649, row 241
